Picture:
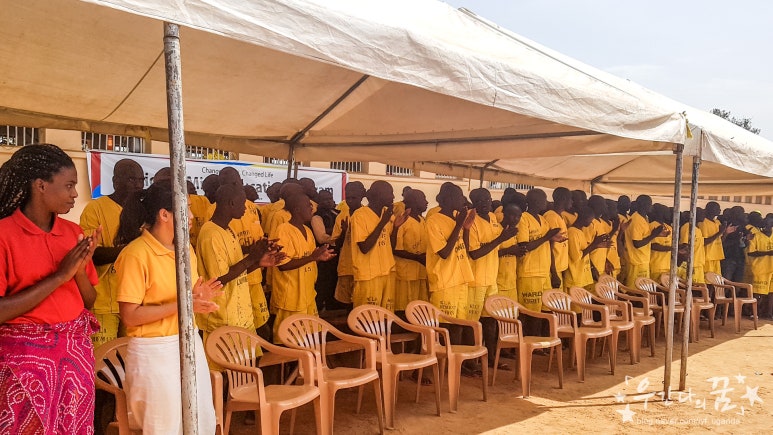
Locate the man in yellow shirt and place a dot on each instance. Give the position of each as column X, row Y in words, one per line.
column 660, row 256
column 399, row 207
column 373, row 238
column 508, row 252
column 210, row 185
column 272, row 192
column 354, row 193
column 296, row 274
column 562, row 201
column 200, row 208
column 699, row 253
column 578, row 274
column 616, row 245
column 714, row 232
column 605, row 229
column 411, row 253
column 105, row 212
column 638, row 239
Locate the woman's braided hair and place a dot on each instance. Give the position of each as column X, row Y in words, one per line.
column 31, row 162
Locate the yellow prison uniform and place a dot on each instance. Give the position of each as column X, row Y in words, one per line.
column 374, row 282
column 613, row 256
column 411, row 280
column 660, row 261
column 201, row 211
column 560, row 250
column 145, row 272
column 431, row 211
column 578, row 273
column 699, row 253
column 398, row 208
column 294, row 289
column 499, row 213
column 104, row 212
column 598, row 257
column 345, row 285
column 506, row 272
column 569, row 218
column 761, row 267
column 448, row 278
column 219, row 250
column 714, row 251
column 638, row 259
column 484, row 269
column 534, row 267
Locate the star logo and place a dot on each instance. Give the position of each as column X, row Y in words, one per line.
column 751, row 394
column 619, row 397
column 627, row 413
column 740, row 378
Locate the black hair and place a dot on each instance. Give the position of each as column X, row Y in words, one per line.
column 141, row 209
column 31, row 162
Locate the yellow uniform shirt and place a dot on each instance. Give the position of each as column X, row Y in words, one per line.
column 201, row 211
column 247, row 230
column 379, row 261
column 455, row 269
column 105, row 212
column 761, row 266
column 268, row 209
column 714, row 250
column 499, row 213
column 277, row 218
column 432, row 211
column 345, row 254
column 560, row 249
column 411, row 237
column 294, row 289
column 218, row 250
column 612, row 254
column 578, row 273
column 598, row 257
column 398, row 208
column 638, row 229
column 146, row 275
column 506, row 273
column 660, row 260
column 699, row 254
column 484, row 269
column 569, row 218
column 536, row 263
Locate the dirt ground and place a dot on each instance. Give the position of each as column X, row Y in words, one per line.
column 729, row 390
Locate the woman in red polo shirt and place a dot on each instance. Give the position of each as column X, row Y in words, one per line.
column 46, row 283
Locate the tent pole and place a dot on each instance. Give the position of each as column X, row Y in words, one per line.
column 696, row 168
column 290, row 160
column 482, row 170
column 679, row 149
column 174, row 99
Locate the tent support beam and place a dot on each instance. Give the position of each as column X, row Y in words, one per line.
column 696, row 168
column 187, row 335
column 678, row 150
column 483, row 171
column 439, row 141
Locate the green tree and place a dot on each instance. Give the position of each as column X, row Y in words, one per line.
column 741, row 122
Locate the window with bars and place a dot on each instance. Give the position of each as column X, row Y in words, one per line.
column 275, row 161
column 446, row 177
column 347, row 166
column 399, row 171
column 12, row 135
column 204, row 153
column 112, row 142
column 502, row 186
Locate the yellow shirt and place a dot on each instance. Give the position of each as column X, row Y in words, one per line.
column 484, row 269
column 219, row 250
column 612, row 255
column 506, row 273
column 569, row 218
column 105, row 212
column 499, row 213
column 398, row 208
column 277, row 218
column 345, row 254
column 379, row 261
column 432, row 211
column 146, row 275
column 761, row 266
column 294, row 289
column 268, row 209
column 660, row 260
column 714, row 249
column 560, row 249
column 411, row 237
column 699, row 259
column 201, row 211
column 638, row 229
column 598, row 257
column 578, row 273
column 453, row 270
column 247, row 230
column 536, row 263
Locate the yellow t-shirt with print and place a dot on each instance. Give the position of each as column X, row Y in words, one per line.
column 201, row 211
column 660, row 260
column 699, row 253
column 431, row 211
column 638, row 229
column 379, row 261
column 714, row 250
column 484, row 269
column 146, row 276
column 560, row 249
column 218, row 250
column 247, row 230
column 294, row 289
column 598, row 257
column 569, row 218
column 536, row 263
column 104, row 212
column 506, row 272
column 578, row 274
column 411, row 237
column 345, row 254
column 455, row 269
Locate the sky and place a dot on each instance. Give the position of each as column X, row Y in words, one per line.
column 707, row 54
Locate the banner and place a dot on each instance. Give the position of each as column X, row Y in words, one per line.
column 258, row 175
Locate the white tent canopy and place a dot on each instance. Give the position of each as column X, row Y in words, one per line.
column 413, row 82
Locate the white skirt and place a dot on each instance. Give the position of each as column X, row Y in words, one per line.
column 153, row 387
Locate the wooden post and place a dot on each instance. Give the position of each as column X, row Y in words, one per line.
column 696, row 168
column 674, row 265
column 174, row 99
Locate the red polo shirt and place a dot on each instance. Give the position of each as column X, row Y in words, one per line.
column 28, row 255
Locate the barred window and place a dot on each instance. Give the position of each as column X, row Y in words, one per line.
column 399, row 171
column 446, row 177
column 112, row 142
column 204, row 153
column 275, row 161
column 12, row 135
column 502, row 186
column 347, row 166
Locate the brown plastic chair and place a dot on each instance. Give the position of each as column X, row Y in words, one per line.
column 375, row 322
column 640, row 319
column 506, row 311
column 302, row 331
column 560, row 304
column 619, row 319
column 657, row 295
column 425, row 314
column 721, row 287
column 700, row 302
column 237, row 350
column 613, row 282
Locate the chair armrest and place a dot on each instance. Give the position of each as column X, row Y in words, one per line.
column 621, row 306
column 477, row 329
column 368, row 344
column 427, row 332
column 516, row 322
column 742, row 285
column 721, row 289
column 603, row 309
column 645, row 302
column 551, row 318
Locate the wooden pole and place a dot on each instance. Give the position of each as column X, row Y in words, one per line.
column 674, row 265
column 174, row 98
column 696, row 168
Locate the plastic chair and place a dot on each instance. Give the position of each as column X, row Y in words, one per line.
column 620, row 321
column 613, row 282
column 722, row 287
column 425, row 314
column 639, row 317
column 302, row 331
column 657, row 299
column 375, row 322
column 506, row 311
column 237, row 350
column 560, row 304
column 700, row 302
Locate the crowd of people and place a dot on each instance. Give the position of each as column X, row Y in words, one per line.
column 66, row 289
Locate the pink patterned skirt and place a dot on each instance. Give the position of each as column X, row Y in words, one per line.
column 47, row 377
